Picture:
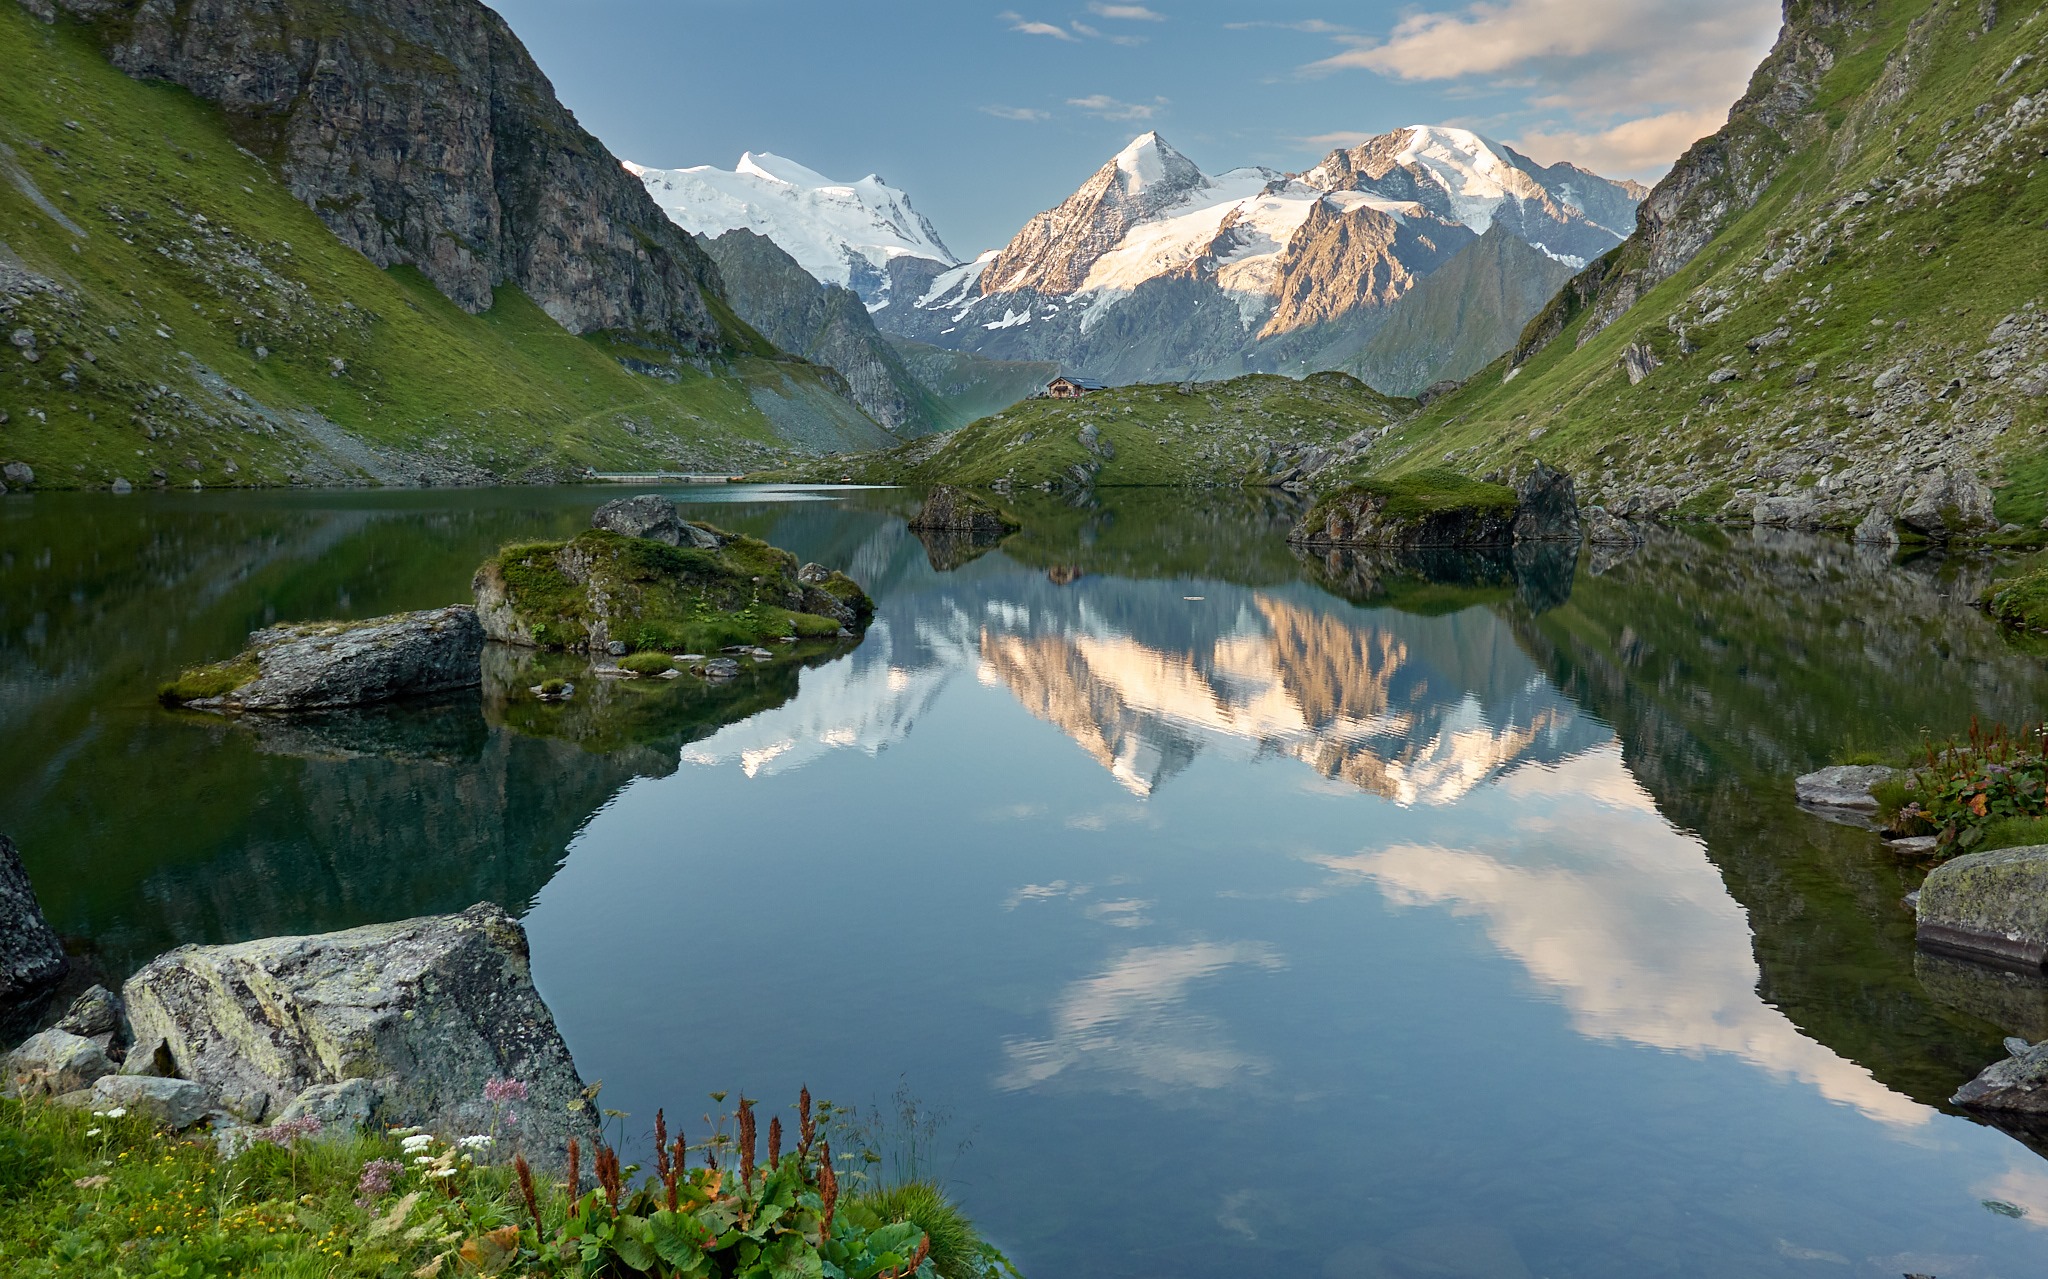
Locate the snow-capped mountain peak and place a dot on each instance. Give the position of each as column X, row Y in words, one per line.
column 844, row 233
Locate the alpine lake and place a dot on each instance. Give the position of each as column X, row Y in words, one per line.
column 1218, row 912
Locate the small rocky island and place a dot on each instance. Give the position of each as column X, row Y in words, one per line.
column 642, row 581
column 1440, row 508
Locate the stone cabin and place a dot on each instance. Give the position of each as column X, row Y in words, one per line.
column 1072, row 388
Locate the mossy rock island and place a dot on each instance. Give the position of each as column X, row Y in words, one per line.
column 948, row 509
column 1426, row 508
column 606, row 593
column 321, row 666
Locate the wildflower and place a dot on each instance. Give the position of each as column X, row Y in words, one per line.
column 414, row 1144
column 287, row 1131
column 92, row 1132
column 478, row 1142
column 376, row 1180
column 443, row 1172
column 500, row 1091
column 117, row 1112
column 421, row 1161
column 404, row 1132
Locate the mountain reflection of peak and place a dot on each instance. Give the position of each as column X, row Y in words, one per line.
column 1144, row 679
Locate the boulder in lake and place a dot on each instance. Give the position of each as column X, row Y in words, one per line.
column 955, row 510
column 317, row 666
column 1842, row 790
column 657, row 519
column 1797, row 511
column 1546, row 506
column 2017, row 1084
column 1989, row 906
column 1604, row 528
column 425, row 1012
column 1947, row 503
column 31, row 958
column 603, row 589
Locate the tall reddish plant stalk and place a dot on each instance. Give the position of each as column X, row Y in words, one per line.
column 575, row 1169
column 526, row 1190
column 774, row 1140
column 746, row 1125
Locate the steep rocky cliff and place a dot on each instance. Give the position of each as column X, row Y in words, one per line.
column 1831, row 312
column 424, row 135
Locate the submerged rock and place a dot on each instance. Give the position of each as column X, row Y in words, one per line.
column 955, row 510
column 311, row 666
column 2019, row 1083
column 603, row 592
column 657, row 519
column 1842, row 792
column 31, row 957
column 1991, row 906
column 423, row 1012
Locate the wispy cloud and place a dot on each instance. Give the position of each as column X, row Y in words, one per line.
column 1313, row 26
column 1617, row 83
column 1126, row 12
column 1026, row 114
column 1025, row 26
column 1108, row 108
column 1330, row 141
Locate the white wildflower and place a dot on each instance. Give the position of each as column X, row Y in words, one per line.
column 117, row 1112
column 442, row 1172
column 422, row 1161
column 478, row 1142
column 418, row 1142
column 92, row 1132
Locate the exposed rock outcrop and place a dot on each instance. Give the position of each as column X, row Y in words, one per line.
column 31, row 957
column 2018, row 1084
column 53, row 1064
column 658, row 519
column 1842, row 792
column 312, row 666
column 1546, row 506
column 1989, row 906
column 955, row 510
column 1605, row 528
column 423, row 1013
column 1438, row 508
column 424, row 135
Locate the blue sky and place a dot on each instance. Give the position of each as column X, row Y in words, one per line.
column 988, row 112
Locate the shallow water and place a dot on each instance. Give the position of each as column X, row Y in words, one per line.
column 1245, row 916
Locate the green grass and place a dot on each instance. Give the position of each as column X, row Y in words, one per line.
column 215, row 680
column 647, row 663
column 1937, row 272
column 958, row 1250
column 2013, row 832
column 1230, row 433
column 1420, row 494
column 2020, row 598
column 508, row 393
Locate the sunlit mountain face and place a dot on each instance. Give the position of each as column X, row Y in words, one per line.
column 1145, row 678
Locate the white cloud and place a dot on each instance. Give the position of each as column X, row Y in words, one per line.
column 1101, row 104
column 1125, row 12
column 1025, row 26
column 1314, row 26
column 1622, row 86
column 1017, row 113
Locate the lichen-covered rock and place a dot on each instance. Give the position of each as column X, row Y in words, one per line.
column 2019, row 1083
column 1946, row 504
column 312, row 666
column 429, row 1010
column 955, row 510
column 1841, row 788
column 1604, row 528
column 1430, row 508
column 656, row 518
column 96, row 1012
column 1797, row 511
column 173, row 1103
column 53, row 1063
column 1877, row 529
column 1989, row 906
column 601, row 588
column 31, row 957
column 1546, row 506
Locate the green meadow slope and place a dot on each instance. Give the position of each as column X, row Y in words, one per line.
column 1257, row 429
column 1836, row 301
column 174, row 315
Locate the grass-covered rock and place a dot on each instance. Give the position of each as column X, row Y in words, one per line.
column 2020, row 599
column 1425, row 508
column 955, row 510
column 600, row 589
column 1255, row 430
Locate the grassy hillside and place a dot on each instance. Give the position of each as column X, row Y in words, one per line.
column 969, row 387
column 175, row 315
column 1249, row 430
column 1874, row 317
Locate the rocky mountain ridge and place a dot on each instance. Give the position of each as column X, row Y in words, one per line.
column 1831, row 313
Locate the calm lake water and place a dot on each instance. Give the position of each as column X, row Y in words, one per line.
column 1245, row 916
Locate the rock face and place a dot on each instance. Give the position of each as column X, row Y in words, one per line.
column 1798, row 512
column 315, row 666
column 1843, row 789
column 425, row 1012
column 31, row 957
column 1989, row 906
column 656, row 518
column 954, row 510
column 424, row 135
column 2019, row 1083
column 1546, row 507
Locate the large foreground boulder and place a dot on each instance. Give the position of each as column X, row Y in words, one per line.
column 317, row 666
column 31, row 957
column 1841, row 792
column 948, row 509
column 1991, row 906
column 419, row 1015
column 606, row 592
